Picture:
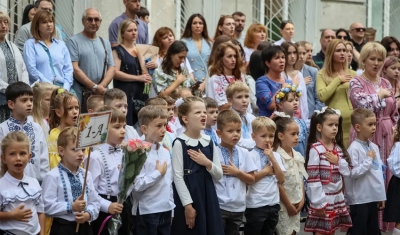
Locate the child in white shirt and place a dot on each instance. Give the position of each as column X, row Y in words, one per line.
column 365, row 188
column 20, row 100
column 212, row 114
column 238, row 169
column 238, row 97
column 153, row 185
column 22, row 210
column 105, row 163
column 262, row 199
column 62, row 190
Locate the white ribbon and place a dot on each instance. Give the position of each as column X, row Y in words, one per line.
column 281, row 114
column 323, row 110
column 178, row 102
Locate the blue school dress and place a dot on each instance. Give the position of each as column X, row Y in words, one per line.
column 205, row 201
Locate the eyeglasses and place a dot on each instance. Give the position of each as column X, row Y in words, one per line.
column 359, row 29
column 342, row 37
column 90, row 19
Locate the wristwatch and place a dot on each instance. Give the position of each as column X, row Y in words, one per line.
column 94, row 88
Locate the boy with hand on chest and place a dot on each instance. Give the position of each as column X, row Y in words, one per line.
column 238, row 170
column 153, row 185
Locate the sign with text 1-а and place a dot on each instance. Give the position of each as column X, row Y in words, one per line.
column 92, row 129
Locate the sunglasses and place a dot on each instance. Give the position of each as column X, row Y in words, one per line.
column 90, row 19
column 359, row 29
column 342, row 37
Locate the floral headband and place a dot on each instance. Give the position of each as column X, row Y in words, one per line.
column 323, row 110
column 285, row 90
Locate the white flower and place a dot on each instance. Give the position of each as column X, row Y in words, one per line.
column 281, row 114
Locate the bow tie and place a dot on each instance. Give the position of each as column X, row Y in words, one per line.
column 113, row 149
column 21, row 184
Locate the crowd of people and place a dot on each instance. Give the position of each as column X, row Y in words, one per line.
column 246, row 133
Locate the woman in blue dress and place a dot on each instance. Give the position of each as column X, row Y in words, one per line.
column 195, row 162
column 199, row 44
column 267, row 86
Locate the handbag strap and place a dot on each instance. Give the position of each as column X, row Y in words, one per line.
column 105, row 59
column 46, row 49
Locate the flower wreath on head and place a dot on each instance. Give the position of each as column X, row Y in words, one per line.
column 285, row 90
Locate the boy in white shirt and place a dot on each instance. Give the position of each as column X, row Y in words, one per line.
column 238, row 169
column 212, row 114
column 116, row 98
column 105, row 163
column 19, row 97
column 238, row 95
column 365, row 188
column 262, row 199
column 153, row 185
column 62, row 190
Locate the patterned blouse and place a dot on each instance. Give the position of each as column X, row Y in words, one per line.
column 162, row 80
column 10, row 63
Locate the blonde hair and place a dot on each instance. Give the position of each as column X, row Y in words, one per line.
column 186, row 107
column 236, row 87
column 368, row 49
column 156, row 101
column 12, row 137
column 93, row 102
column 113, row 94
column 225, row 117
column 67, row 135
column 122, row 28
column 39, row 18
column 359, row 115
column 262, row 122
column 116, row 115
column 250, row 35
column 328, row 69
column 39, row 90
column 59, row 100
column 4, row 15
column 149, row 113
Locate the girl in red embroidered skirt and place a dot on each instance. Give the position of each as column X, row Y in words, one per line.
column 327, row 161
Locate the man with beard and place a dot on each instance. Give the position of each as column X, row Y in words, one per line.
column 132, row 8
column 91, row 58
column 240, row 21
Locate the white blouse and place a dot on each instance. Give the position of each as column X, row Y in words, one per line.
column 177, row 165
column 25, row 192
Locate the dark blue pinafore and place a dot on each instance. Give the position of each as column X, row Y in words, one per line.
column 205, row 201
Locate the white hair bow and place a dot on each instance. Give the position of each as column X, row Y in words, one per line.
column 281, row 114
column 178, row 102
column 323, row 110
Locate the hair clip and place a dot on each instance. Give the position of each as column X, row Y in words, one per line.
column 60, row 90
column 178, row 102
column 323, row 110
column 285, row 90
column 281, row 114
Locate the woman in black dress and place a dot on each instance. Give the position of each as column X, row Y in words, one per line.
column 130, row 76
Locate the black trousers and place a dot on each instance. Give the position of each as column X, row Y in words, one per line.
column 262, row 220
column 365, row 219
column 65, row 227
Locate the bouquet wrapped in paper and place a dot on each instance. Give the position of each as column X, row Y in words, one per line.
column 132, row 163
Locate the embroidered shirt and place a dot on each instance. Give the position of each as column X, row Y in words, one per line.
column 231, row 191
column 211, row 132
column 39, row 164
column 60, row 187
column 15, row 192
column 104, row 167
